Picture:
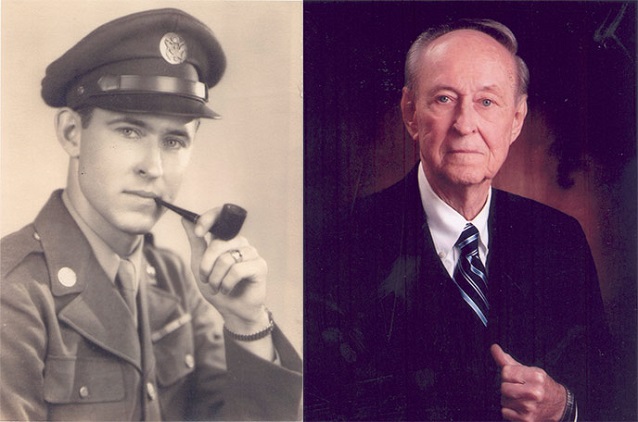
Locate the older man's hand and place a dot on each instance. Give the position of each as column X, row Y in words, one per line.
column 528, row 393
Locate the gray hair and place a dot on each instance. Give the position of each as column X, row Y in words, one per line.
column 494, row 29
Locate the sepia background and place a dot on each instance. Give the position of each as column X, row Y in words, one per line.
column 251, row 157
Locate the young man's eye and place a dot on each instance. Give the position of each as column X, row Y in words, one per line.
column 129, row 133
column 174, row 143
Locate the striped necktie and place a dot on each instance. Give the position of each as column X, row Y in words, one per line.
column 125, row 281
column 470, row 274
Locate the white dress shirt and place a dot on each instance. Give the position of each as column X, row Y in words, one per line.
column 446, row 224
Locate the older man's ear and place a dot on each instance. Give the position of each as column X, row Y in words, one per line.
column 408, row 111
column 519, row 118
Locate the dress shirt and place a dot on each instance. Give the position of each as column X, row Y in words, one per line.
column 446, row 224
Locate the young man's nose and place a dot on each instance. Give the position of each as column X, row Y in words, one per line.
column 150, row 164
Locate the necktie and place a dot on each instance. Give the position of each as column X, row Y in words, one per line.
column 470, row 274
column 126, row 284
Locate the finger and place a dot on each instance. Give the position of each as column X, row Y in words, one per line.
column 514, row 374
column 197, row 243
column 215, row 250
column 206, row 220
column 227, row 261
column 500, row 357
column 238, row 274
column 517, row 391
column 205, row 288
column 511, row 414
column 524, row 408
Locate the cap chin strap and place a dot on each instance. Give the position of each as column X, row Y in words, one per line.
column 154, row 84
column 136, row 84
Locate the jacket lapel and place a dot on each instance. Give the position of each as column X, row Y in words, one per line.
column 87, row 300
column 99, row 314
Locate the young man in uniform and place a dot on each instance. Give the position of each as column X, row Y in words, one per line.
column 97, row 322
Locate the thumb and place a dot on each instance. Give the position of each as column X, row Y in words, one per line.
column 198, row 244
column 500, row 357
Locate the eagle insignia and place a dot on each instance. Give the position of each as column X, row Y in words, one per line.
column 173, row 48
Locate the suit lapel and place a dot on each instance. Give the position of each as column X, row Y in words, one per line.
column 510, row 270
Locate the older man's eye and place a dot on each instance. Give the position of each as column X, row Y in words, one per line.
column 486, row 102
column 443, row 99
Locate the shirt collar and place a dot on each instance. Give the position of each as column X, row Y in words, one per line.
column 106, row 257
column 445, row 223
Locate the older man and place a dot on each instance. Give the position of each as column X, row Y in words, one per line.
column 97, row 322
column 457, row 301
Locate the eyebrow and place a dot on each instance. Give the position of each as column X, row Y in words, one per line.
column 142, row 124
column 494, row 89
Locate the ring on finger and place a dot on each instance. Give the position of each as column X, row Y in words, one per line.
column 237, row 255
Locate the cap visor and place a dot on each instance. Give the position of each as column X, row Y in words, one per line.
column 154, row 104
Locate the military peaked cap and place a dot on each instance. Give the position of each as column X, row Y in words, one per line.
column 159, row 61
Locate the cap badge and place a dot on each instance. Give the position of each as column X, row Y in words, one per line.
column 173, row 48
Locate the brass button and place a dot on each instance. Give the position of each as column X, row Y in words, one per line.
column 84, row 391
column 189, row 360
column 152, row 274
column 150, row 390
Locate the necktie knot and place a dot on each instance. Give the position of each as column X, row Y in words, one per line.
column 468, row 240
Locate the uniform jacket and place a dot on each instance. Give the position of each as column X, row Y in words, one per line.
column 397, row 342
column 70, row 350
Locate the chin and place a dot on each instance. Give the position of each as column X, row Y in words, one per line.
column 465, row 178
column 138, row 224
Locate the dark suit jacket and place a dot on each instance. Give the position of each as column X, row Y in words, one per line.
column 70, row 350
column 388, row 335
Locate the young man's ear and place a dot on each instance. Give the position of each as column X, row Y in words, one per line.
column 68, row 128
column 408, row 111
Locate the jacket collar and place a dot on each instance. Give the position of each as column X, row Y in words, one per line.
column 90, row 303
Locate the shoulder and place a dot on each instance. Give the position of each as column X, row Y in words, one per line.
column 393, row 197
column 391, row 206
column 24, row 276
column 17, row 247
column 534, row 220
column 518, row 207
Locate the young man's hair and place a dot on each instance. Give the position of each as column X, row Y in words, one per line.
column 86, row 113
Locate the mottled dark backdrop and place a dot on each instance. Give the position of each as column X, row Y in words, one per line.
column 577, row 151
